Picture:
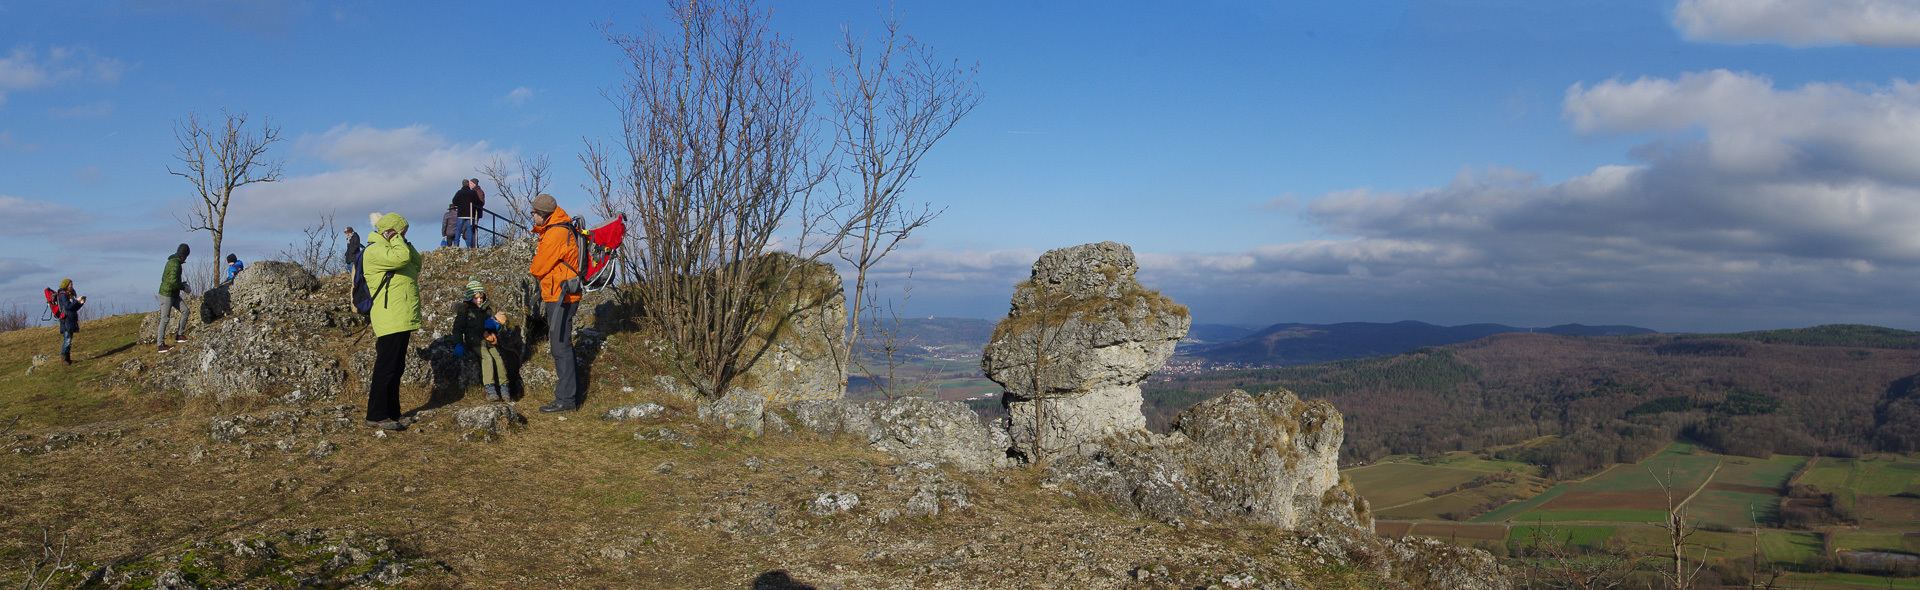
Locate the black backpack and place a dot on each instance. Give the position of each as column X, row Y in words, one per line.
column 362, row 298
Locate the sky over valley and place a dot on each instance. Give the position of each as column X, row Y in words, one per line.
column 1699, row 165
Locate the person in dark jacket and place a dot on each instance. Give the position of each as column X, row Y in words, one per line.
column 449, row 227
column 466, row 208
column 69, row 303
column 353, row 246
column 170, row 289
column 478, row 328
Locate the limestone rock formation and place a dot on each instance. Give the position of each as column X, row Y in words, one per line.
column 739, row 409
column 796, row 355
column 913, row 429
column 1268, row 458
column 274, row 346
column 1081, row 336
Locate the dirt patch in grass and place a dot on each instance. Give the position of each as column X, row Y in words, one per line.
column 1606, row 500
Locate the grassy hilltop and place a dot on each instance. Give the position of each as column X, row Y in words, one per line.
column 98, row 474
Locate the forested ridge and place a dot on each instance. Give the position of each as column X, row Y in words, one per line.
column 1583, row 402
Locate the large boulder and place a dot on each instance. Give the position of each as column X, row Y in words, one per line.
column 796, row 355
column 913, row 429
column 1268, row 458
column 1081, row 336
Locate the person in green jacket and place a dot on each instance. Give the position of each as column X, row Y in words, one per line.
column 478, row 328
column 170, row 288
column 392, row 269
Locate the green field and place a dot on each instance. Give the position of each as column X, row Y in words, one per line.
column 1791, row 547
column 1583, row 536
column 1392, row 484
column 1506, row 513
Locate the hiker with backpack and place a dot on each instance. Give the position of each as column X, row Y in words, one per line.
column 478, row 328
column 393, row 309
column 66, row 308
column 170, row 289
column 555, row 264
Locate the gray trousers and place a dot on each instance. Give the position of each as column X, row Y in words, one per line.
column 169, row 304
column 566, row 389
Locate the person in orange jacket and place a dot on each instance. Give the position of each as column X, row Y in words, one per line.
column 555, row 263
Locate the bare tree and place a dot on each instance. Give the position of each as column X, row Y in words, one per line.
column 717, row 125
column 1679, row 535
column 218, row 161
column 517, row 185
column 318, row 250
column 889, row 347
column 891, row 101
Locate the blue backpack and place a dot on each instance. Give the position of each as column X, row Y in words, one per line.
column 362, row 298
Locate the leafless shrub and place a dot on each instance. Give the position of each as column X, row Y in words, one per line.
column 318, row 250
column 14, row 317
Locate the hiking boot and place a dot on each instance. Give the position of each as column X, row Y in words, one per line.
column 492, row 396
column 178, row 339
column 164, row 348
column 406, row 420
column 555, row 407
column 386, row 425
column 65, row 359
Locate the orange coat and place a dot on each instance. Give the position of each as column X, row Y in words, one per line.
column 554, row 259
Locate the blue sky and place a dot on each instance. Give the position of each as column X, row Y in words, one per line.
column 1700, row 165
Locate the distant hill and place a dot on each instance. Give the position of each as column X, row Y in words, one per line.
column 1213, row 334
column 1837, row 390
column 1302, row 344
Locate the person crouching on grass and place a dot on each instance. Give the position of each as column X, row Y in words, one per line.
column 395, row 316
column 478, row 327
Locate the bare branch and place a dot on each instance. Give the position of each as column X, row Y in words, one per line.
column 219, row 161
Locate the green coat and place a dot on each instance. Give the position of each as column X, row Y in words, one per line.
column 396, row 308
column 170, row 278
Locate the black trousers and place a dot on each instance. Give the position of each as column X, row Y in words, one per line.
column 389, row 363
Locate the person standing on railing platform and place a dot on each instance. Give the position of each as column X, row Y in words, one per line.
column 466, row 207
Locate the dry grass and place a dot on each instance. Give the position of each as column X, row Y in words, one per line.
column 566, row 501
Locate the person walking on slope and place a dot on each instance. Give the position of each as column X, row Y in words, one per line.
column 553, row 263
column 234, row 266
column 69, row 303
column 466, row 207
column 391, row 263
column 478, row 328
column 170, row 289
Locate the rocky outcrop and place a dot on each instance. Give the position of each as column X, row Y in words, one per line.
column 1081, row 336
column 739, row 409
column 913, row 429
column 277, row 346
column 796, row 355
column 1268, row 458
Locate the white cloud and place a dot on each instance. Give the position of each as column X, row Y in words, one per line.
column 42, row 217
column 1748, row 204
column 24, row 69
column 518, row 97
column 409, row 170
column 1800, row 23
column 97, row 110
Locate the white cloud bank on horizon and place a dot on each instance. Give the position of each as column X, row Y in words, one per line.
column 1801, row 23
column 1749, row 207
